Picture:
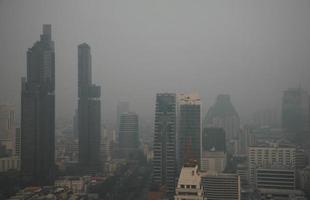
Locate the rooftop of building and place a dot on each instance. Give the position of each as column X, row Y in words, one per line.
column 189, row 176
column 192, row 99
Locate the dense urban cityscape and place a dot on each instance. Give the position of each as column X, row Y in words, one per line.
column 187, row 152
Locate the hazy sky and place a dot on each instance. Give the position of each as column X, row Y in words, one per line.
column 251, row 49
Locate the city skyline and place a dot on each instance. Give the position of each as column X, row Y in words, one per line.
column 284, row 66
column 167, row 100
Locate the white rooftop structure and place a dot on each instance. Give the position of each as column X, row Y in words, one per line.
column 189, row 185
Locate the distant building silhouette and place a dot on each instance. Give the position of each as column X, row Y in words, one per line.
column 295, row 110
column 89, row 113
column 122, row 107
column 38, row 113
column 164, row 161
column 223, row 115
column 129, row 132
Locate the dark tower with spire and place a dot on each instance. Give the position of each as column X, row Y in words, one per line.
column 38, row 113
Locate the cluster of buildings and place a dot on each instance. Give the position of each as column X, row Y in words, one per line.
column 192, row 158
column 257, row 161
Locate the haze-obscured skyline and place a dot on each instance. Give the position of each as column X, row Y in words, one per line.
column 250, row 49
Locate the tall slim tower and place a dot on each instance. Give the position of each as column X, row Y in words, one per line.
column 188, row 128
column 89, row 116
column 38, row 112
column 164, row 162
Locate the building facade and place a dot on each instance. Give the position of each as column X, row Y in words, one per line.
column 38, row 112
column 269, row 156
column 188, row 128
column 122, row 107
column 129, row 132
column 221, row 186
column 164, row 147
column 89, row 113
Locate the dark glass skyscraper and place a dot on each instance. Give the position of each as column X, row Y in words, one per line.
column 164, row 162
column 188, row 128
column 38, row 113
column 89, row 116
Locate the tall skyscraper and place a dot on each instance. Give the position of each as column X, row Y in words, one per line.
column 223, row 115
column 295, row 110
column 89, row 113
column 164, row 161
column 188, row 128
column 122, row 107
column 129, row 132
column 38, row 112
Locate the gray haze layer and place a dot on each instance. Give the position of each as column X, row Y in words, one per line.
column 251, row 49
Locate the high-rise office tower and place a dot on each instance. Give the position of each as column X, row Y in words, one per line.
column 38, row 112
column 164, row 161
column 213, row 150
column 89, row 115
column 223, row 115
column 122, row 107
column 295, row 110
column 188, row 128
column 129, row 132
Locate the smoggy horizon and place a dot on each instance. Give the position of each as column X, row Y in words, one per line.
column 252, row 50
